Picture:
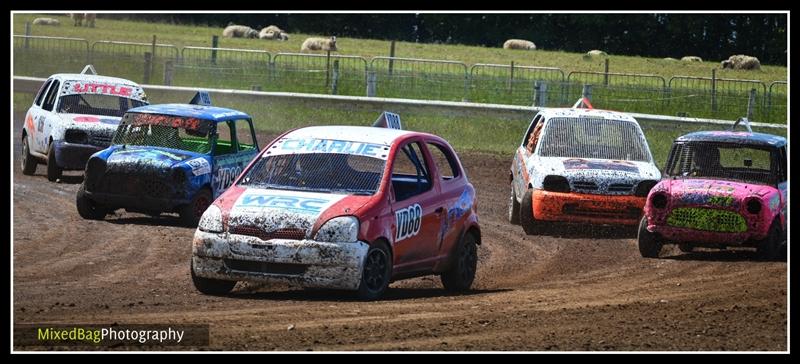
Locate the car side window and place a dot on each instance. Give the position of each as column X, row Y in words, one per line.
column 224, row 141
column 533, row 133
column 42, row 91
column 52, row 94
column 244, row 135
column 410, row 176
column 444, row 160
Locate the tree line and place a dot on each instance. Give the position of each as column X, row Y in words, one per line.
column 712, row 37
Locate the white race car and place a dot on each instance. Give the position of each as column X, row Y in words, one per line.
column 72, row 117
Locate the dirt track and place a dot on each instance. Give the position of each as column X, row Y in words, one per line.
column 573, row 292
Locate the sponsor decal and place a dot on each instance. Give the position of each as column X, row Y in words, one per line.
column 150, row 153
column 774, row 202
column 458, row 210
column 100, row 88
column 171, row 121
column 299, row 204
column 228, row 114
column 578, row 163
column 314, row 145
column 409, row 221
column 199, row 166
column 224, row 177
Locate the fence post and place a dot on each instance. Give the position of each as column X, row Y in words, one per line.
column 539, row 94
column 153, row 54
column 391, row 58
column 168, row 72
column 328, row 69
column 587, row 92
column 511, row 79
column 751, row 103
column 605, row 76
column 714, row 90
column 371, row 80
column 214, row 45
column 255, row 87
column 335, row 83
column 148, row 62
column 27, row 34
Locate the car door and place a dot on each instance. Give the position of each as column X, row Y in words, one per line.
column 452, row 190
column 417, row 209
column 49, row 119
column 235, row 147
column 34, row 120
column 526, row 149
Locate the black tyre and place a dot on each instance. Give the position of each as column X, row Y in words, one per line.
column 686, row 247
column 87, row 208
column 29, row 162
column 53, row 170
column 191, row 213
column 526, row 219
column 649, row 243
column 211, row 286
column 462, row 273
column 770, row 247
column 513, row 208
column 377, row 272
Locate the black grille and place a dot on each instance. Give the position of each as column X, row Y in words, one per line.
column 264, row 267
column 620, row 187
column 133, row 185
column 584, row 185
column 249, row 230
column 100, row 140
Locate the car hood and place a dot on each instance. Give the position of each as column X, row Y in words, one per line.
column 146, row 158
column 602, row 172
column 710, row 193
column 89, row 122
column 269, row 210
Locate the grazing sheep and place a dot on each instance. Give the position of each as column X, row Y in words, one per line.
column 46, row 21
column 90, row 19
column 692, row 59
column 273, row 33
column 519, row 44
column 742, row 62
column 596, row 53
column 77, row 18
column 239, row 31
column 670, row 59
column 319, row 44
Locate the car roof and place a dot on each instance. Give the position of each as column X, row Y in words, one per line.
column 363, row 134
column 580, row 112
column 211, row 113
column 93, row 78
column 738, row 137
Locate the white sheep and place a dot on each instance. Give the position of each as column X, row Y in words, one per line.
column 77, row 18
column 239, row 31
column 692, row 59
column 90, row 17
column 519, row 44
column 670, row 59
column 319, row 44
column 273, row 33
column 46, row 21
column 742, row 62
column 596, row 53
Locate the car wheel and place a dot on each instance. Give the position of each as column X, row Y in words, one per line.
column 29, row 162
column 649, row 243
column 686, row 247
column 53, row 170
column 211, row 286
column 191, row 213
column 87, row 208
column 462, row 273
column 513, row 208
column 769, row 248
column 526, row 219
column 377, row 272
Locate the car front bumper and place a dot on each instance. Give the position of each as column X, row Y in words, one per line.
column 136, row 203
column 72, row 156
column 672, row 234
column 587, row 208
column 306, row 262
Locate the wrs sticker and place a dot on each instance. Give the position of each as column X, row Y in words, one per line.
column 409, row 221
column 199, row 166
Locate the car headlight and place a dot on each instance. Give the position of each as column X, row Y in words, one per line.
column 211, row 221
column 342, row 229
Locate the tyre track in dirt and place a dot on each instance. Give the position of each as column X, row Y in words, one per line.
column 574, row 289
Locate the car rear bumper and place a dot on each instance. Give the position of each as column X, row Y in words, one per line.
column 587, row 208
column 72, row 156
column 306, row 263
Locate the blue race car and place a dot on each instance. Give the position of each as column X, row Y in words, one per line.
column 168, row 158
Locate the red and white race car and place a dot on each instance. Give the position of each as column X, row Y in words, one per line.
column 344, row 207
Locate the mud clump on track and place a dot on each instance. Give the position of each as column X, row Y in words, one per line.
column 573, row 289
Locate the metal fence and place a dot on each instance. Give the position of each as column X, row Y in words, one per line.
column 409, row 78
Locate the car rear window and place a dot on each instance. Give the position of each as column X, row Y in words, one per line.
column 594, row 138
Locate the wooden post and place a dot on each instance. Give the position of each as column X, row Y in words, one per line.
column 391, row 58
column 335, row 84
column 511, row 79
column 27, row 34
column 148, row 62
column 214, row 45
column 714, row 90
column 153, row 54
column 605, row 77
column 328, row 69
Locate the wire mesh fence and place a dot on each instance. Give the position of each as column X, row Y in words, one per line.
column 222, row 68
column 419, row 78
column 318, row 73
column 34, row 55
column 130, row 60
column 514, row 84
column 721, row 97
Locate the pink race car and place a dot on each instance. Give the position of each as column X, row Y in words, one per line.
column 344, row 207
column 721, row 189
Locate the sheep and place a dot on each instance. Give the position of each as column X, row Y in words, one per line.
column 46, row 21
column 319, row 44
column 670, row 59
column 692, row 59
column 273, row 33
column 77, row 19
column 588, row 56
column 742, row 62
column 519, row 44
column 90, row 19
column 239, row 31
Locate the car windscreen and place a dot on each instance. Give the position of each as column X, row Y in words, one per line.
column 593, row 138
column 736, row 162
column 317, row 172
column 184, row 133
column 97, row 104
